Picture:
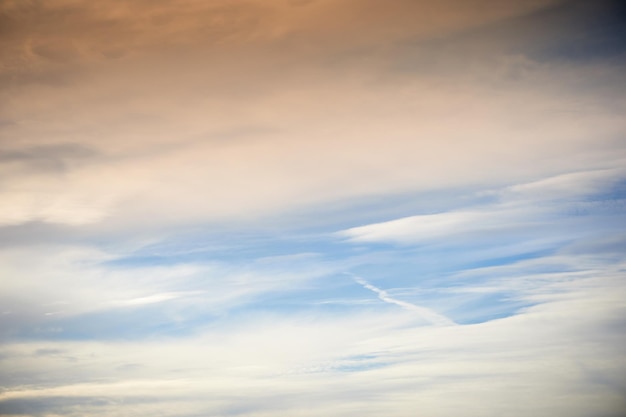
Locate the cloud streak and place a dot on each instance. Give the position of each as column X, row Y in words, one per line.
column 517, row 209
column 425, row 313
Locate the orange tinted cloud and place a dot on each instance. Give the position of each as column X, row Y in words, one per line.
column 209, row 110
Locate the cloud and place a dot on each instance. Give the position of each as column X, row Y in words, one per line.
column 173, row 174
column 38, row 33
column 204, row 138
column 522, row 209
column 267, row 359
column 426, row 313
column 154, row 298
column 85, row 292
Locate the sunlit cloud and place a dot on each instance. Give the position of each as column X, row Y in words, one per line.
column 312, row 207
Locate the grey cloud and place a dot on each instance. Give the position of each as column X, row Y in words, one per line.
column 612, row 245
column 37, row 232
column 56, row 354
column 49, row 352
column 580, row 31
column 48, row 158
column 67, row 406
column 60, row 150
column 77, row 406
column 513, row 49
column 129, row 367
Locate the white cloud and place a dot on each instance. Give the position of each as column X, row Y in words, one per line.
column 563, row 188
column 518, row 209
column 136, row 132
column 524, row 364
column 426, row 313
column 74, row 282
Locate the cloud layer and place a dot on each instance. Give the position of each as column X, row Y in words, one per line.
column 312, row 207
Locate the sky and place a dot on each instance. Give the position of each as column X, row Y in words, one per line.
column 303, row 208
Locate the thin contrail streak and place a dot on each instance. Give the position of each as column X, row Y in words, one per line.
column 426, row 313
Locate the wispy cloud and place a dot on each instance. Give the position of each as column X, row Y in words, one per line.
column 264, row 359
column 425, row 313
column 183, row 183
column 516, row 209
